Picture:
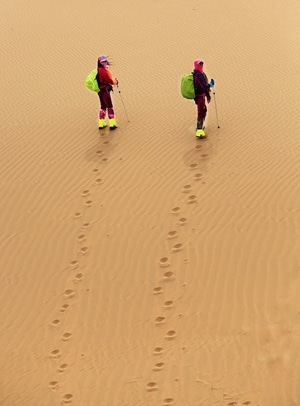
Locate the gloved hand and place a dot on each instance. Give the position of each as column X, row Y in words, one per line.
column 212, row 83
column 109, row 88
column 117, row 82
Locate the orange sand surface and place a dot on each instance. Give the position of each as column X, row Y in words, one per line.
column 145, row 267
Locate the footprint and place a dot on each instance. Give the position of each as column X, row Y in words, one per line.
column 171, row 335
column 106, row 142
column 85, row 225
column 64, row 308
column 198, row 176
column 85, row 193
column 55, row 322
column 83, row 250
column 99, row 152
column 62, row 367
column 168, row 304
column 67, row 398
column 175, row 210
column 54, row 385
column 151, row 387
column 88, row 203
column 69, row 293
column 104, row 159
column 77, row 215
column 177, row 247
column 168, row 401
column 172, row 234
column 198, row 147
column 193, row 166
column 98, row 181
column 204, row 156
column 78, row 277
column 159, row 320
column 168, row 276
column 74, row 264
column 96, row 170
column 158, row 290
column 81, row 238
column 158, row 351
column 232, row 404
column 182, row 221
column 55, row 354
column 66, row 336
column 192, row 199
column 186, row 188
column 158, row 367
column 246, row 403
column 164, row 262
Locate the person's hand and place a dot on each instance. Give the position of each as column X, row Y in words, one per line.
column 117, row 82
column 212, row 83
column 208, row 99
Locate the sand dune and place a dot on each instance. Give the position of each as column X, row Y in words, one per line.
column 144, row 266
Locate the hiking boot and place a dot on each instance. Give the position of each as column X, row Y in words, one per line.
column 102, row 123
column 200, row 133
column 112, row 124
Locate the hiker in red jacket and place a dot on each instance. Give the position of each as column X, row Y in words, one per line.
column 106, row 81
column 202, row 93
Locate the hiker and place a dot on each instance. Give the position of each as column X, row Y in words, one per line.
column 202, row 93
column 106, row 81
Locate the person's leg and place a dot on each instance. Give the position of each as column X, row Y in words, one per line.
column 111, row 118
column 110, row 111
column 201, row 110
column 102, row 111
column 204, row 111
column 201, row 114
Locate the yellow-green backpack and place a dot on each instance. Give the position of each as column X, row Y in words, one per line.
column 91, row 81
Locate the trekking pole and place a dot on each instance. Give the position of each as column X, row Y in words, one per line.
column 119, row 91
column 216, row 106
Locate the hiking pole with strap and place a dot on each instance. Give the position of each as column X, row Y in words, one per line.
column 214, row 94
column 119, row 91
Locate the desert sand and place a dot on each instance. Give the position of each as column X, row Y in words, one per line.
column 145, row 267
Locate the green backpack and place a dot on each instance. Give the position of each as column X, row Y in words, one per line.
column 91, row 81
column 187, row 86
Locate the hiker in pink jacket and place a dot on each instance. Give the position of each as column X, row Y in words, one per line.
column 106, row 81
column 202, row 93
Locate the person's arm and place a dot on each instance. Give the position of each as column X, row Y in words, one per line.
column 114, row 80
column 107, row 77
column 203, row 82
column 111, row 80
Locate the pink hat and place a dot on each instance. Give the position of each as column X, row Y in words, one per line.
column 102, row 58
column 198, row 62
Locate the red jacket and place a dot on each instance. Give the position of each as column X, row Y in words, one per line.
column 105, row 77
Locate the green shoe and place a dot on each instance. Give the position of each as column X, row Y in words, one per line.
column 200, row 133
column 102, row 123
column 112, row 124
